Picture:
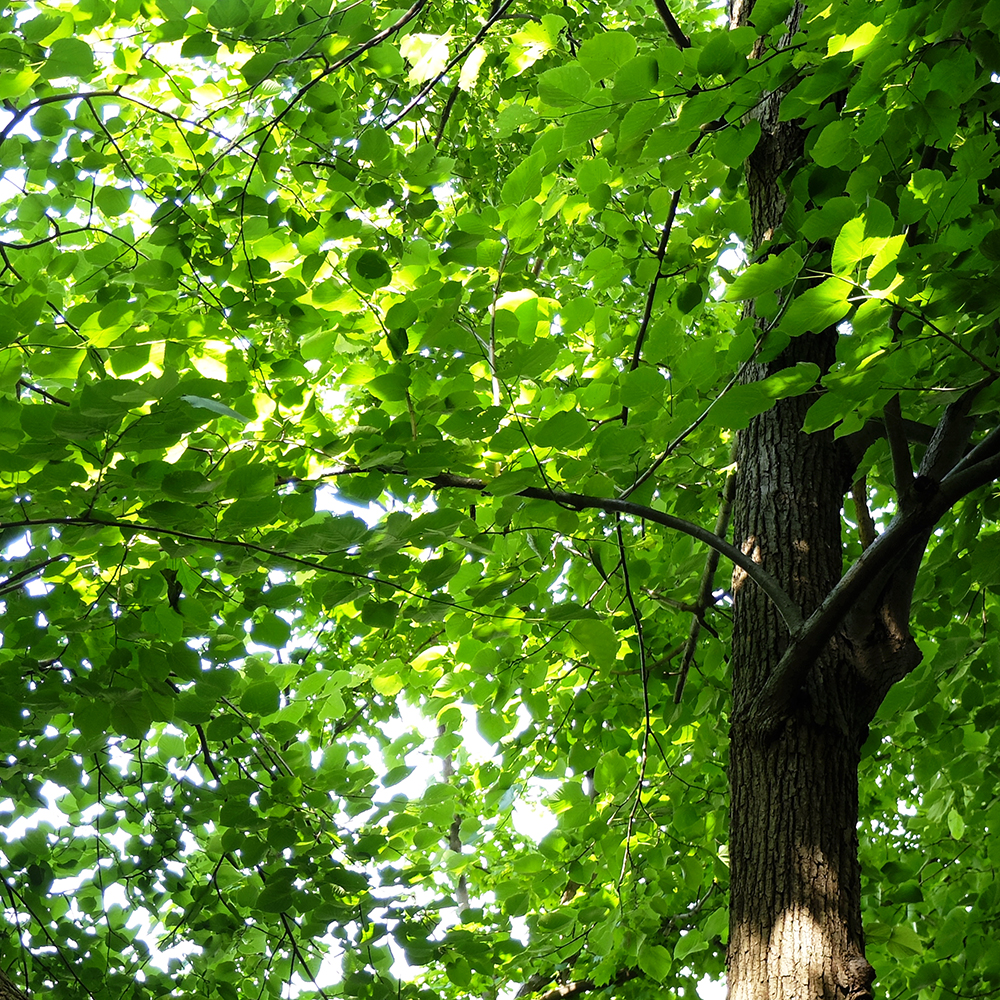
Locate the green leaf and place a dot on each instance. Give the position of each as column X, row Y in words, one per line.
column 690, row 943
column 228, row 14
column 834, row 143
column 379, row 614
column 904, row 941
column 258, row 67
column 525, row 180
column 275, row 898
column 830, row 219
column 802, row 377
column 956, row 825
column 328, row 533
column 250, row 482
column 203, row 403
column 766, row 276
column 564, row 430
column 131, row 717
column 492, row 726
column 603, row 55
column 459, row 973
column 373, row 266
column 733, row 145
column 564, row 86
column 184, row 484
column 737, row 407
column 817, row 308
column 271, row 630
column 718, row 56
column 596, row 640
column 14, row 85
column 655, row 961
column 260, row 699
column 828, row 410
column 69, row 57
column 113, row 201
column 592, row 173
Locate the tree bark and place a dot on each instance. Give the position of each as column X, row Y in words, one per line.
column 9, row 989
column 795, row 919
column 795, row 909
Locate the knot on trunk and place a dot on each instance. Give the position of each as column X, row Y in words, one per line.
column 857, row 979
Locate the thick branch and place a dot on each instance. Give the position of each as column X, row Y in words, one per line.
column 980, row 466
column 866, row 526
column 860, row 441
column 902, row 465
column 968, row 475
column 950, row 440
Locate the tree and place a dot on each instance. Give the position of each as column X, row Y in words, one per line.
column 372, row 377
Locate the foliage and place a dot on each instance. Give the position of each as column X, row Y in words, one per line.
column 272, row 270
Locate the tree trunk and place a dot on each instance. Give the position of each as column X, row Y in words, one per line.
column 795, row 910
column 9, row 990
column 795, row 920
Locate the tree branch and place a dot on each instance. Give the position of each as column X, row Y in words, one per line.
column 902, row 465
column 661, row 252
column 866, row 526
column 235, row 543
column 785, row 606
column 706, row 590
column 950, row 439
column 31, row 387
column 17, row 580
column 978, row 467
column 676, row 33
column 969, row 475
column 462, row 53
column 575, row 988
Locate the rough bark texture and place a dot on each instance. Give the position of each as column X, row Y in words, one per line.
column 795, row 924
column 9, row 990
column 795, row 916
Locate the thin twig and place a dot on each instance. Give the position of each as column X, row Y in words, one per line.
column 644, row 679
column 690, row 429
column 209, row 763
column 446, row 114
column 298, row 954
column 706, row 590
column 647, row 313
column 417, row 100
column 785, row 606
column 676, row 33
column 31, row 387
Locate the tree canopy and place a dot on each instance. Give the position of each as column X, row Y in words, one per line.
column 369, row 381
